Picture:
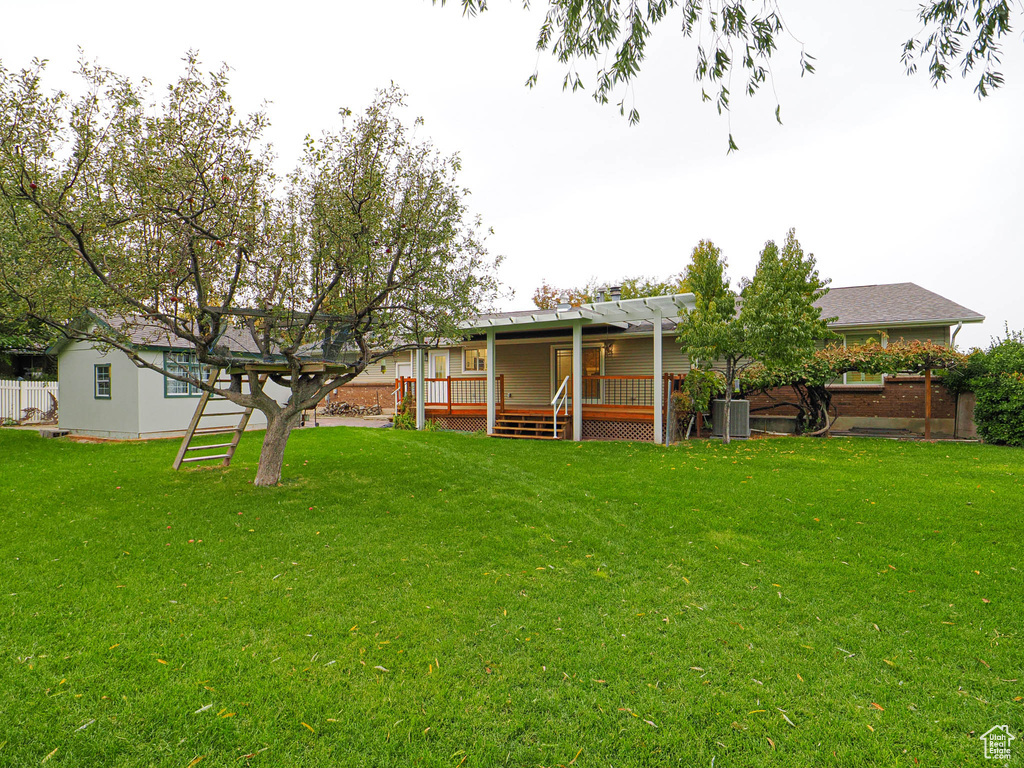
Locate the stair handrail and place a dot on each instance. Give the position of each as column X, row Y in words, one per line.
column 561, row 398
column 399, row 391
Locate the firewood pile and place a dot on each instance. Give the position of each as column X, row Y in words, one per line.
column 348, row 409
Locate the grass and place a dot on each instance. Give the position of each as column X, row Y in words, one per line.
column 448, row 600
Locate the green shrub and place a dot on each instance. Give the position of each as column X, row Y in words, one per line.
column 404, row 416
column 701, row 386
column 997, row 378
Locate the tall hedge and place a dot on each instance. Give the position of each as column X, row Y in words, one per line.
column 996, row 376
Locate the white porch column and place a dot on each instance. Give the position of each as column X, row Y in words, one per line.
column 659, row 381
column 491, row 365
column 577, row 381
column 421, row 410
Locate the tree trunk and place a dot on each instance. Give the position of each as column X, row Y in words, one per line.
column 279, row 427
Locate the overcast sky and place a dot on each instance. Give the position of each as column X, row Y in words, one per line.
column 884, row 178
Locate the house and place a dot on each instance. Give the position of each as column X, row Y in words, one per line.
column 510, row 374
column 30, row 363
column 102, row 393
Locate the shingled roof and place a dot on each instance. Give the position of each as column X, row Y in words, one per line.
column 143, row 333
column 892, row 303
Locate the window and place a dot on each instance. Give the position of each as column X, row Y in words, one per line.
column 476, row 359
column 855, row 377
column 182, row 364
column 101, row 382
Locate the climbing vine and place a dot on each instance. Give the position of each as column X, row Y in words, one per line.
column 808, row 383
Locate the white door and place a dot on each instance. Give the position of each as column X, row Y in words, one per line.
column 593, row 365
column 404, row 371
column 437, row 368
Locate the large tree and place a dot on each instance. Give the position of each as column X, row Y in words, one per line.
column 777, row 323
column 743, row 36
column 168, row 213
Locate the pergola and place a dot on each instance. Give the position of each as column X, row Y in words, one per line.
column 621, row 313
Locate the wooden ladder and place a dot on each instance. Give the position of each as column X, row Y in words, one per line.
column 194, row 429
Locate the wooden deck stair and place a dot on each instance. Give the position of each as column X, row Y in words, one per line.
column 531, row 426
column 195, row 431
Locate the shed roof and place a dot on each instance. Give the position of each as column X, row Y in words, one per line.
column 143, row 333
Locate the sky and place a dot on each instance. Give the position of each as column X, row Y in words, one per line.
column 884, row 178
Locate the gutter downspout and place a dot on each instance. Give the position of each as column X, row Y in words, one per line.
column 956, row 413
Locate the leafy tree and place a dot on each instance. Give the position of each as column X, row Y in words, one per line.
column 741, row 37
column 996, row 376
column 547, row 296
column 16, row 330
column 809, row 379
column 777, row 323
column 169, row 214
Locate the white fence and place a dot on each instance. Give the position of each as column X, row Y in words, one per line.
column 17, row 396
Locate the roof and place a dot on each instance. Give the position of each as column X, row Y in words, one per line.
column 142, row 333
column 860, row 305
column 892, row 304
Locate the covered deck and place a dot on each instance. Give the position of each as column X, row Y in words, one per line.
column 543, row 368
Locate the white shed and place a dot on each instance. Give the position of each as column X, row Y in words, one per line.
column 102, row 393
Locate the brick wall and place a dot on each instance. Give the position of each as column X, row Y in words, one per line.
column 364, row 394
column 901, row 398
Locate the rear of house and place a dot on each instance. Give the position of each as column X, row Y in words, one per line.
column 626, row 372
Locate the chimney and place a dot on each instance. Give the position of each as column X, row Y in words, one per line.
column 614, row 292
column 600, row 293
column 563, row 302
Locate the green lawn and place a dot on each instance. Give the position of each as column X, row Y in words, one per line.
column 439, row 599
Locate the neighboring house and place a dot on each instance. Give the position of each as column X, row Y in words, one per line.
column 627, row 357
column 104, row 394
column 33, row 364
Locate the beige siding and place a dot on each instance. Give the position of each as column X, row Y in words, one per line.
column 635, row 356
column 527, row 371
column 374, row 375
column 937, row 334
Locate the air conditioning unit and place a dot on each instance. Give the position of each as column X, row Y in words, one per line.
column 739, row 418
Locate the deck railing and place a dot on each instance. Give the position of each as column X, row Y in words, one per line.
column 452, row 393
column 625, row 391
column 459, row 393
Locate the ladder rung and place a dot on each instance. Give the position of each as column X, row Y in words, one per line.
column 218, row 413
column 215, row 431
column 205, row 458
column 206, row 447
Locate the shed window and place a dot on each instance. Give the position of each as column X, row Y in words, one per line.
column 101, row 382
column 182, row 364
